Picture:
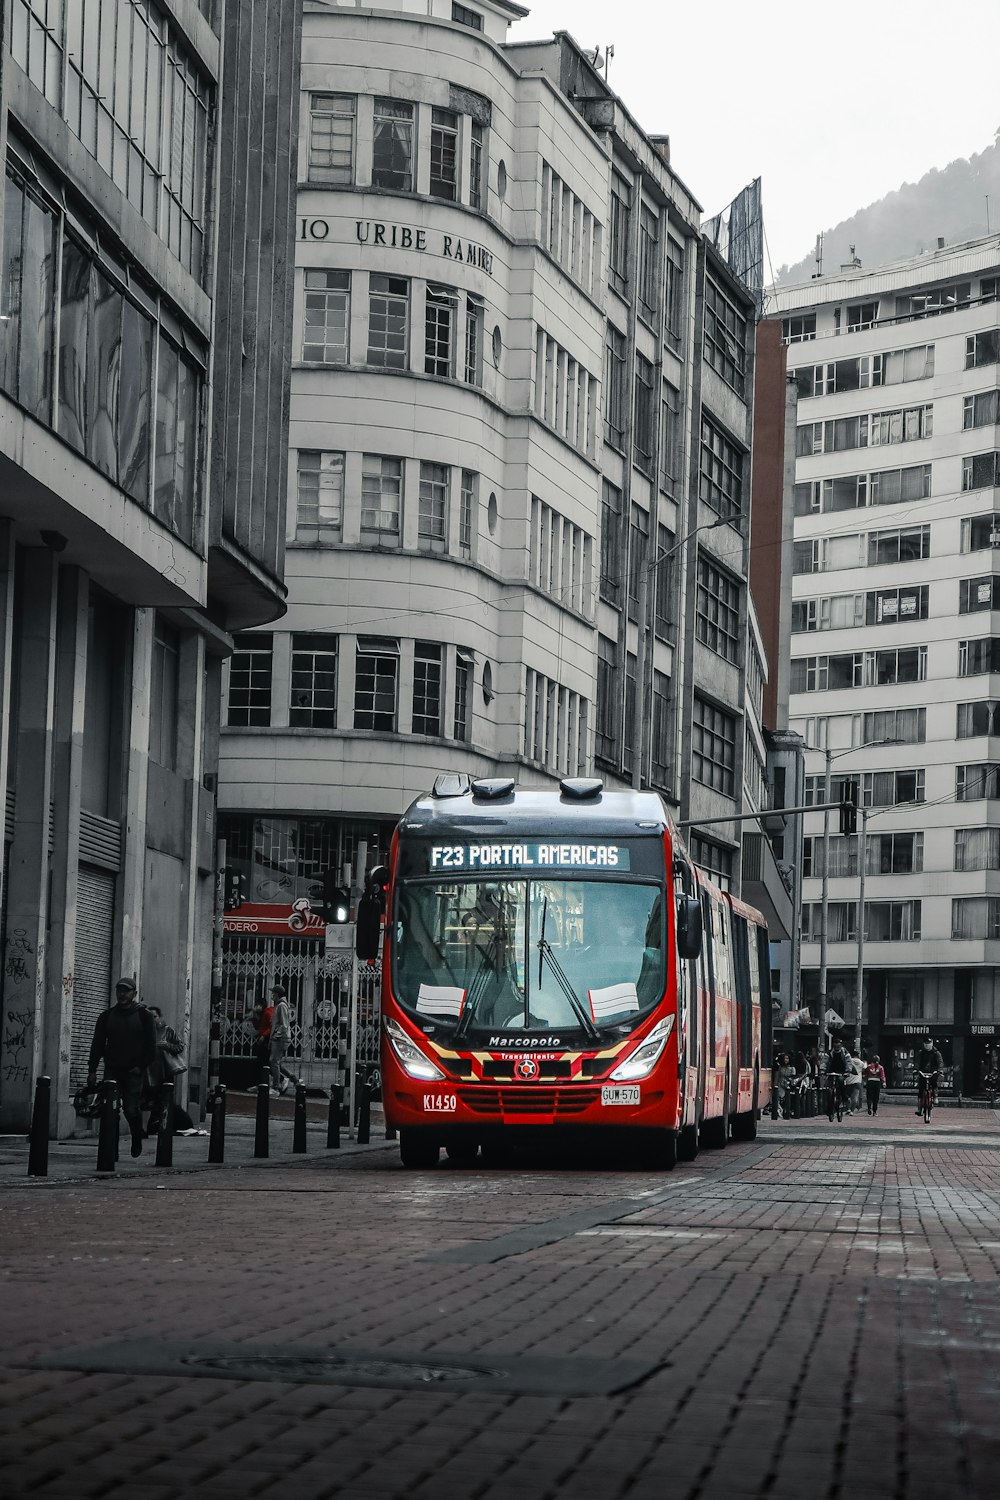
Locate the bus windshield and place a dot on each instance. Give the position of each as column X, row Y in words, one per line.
column 545, row 955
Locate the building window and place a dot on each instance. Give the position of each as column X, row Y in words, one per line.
column 432, row 521
column 467, row 511
column 326, row 338
column 376, row 681
column 800, row 330
column 475, row 316
column 717, row 617
column 27, row 300
column 476, row 163
column 175, row 461
column 614, row 387
column 661, row 731
column 976, row 917
column 466, row 17
column 611, row 544
column 977, row 848
column 982, row 349
column 714, row 859
column 671, row 439
column 725, row 336
column 463, row 694
column 721, row 485
column 976, row 719
column 980, row 471
column 621, row 198
column 900, row 545
column 426, row 688
column 313, row 702
column 982, row 410
column 649, row 264
column 713, row 759
column 663, row 586
column 331, row 138
column 674, row 307
column 976, row 782
column 644, row 415
column 895, row 853
column 907, row 725
column 392, row 146
column 976, row 658
column 439, row 331
column 444, row 154
column 388, row 321
column 381, row 500
column 250, row 681
column 319, row 498
column 164, row 679
column 882, row 788
column 638, row 555
column 861, row 315
column 607, row 715
column 940, row 299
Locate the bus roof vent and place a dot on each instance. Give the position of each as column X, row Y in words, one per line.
column 581, row 788
column 491, row 789
column 451, row 784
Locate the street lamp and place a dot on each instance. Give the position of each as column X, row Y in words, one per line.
column 647, row 572
column 825, row 889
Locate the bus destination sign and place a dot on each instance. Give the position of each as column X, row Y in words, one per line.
column 529, row 856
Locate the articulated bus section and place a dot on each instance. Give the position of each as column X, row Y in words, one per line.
column 554, row 963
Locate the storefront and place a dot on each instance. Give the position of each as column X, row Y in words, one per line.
column 898, row 1047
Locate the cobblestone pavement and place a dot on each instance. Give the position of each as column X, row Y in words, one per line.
column 814, row 1314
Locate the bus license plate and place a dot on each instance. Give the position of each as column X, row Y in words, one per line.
column 441, row 1104
column 620, row 1093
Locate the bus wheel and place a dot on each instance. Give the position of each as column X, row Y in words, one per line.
column 463, row 1150
column 714, row 1132
column 658, row 1150
column 687, row 1144
column 417, row 1149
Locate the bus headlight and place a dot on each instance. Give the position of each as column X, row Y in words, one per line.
column 415, row 1063
column 645, row 1057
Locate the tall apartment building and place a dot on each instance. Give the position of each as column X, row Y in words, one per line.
column 893, row 660
column 521, row 393
column 144, row 307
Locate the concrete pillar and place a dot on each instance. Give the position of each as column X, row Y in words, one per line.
column 67, row 776
column 191, row 727
column 28, row 866
column 6, row 648
column 136, row 792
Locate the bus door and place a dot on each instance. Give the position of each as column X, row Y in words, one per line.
column 766, row 1018
column 747, row 1013
column 725, row 1017
column 710, row 1012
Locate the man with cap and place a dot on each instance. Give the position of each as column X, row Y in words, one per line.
column 125, row 1040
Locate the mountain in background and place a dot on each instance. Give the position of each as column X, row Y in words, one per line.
column 949, row 203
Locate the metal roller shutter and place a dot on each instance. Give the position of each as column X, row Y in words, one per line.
column 95, row 918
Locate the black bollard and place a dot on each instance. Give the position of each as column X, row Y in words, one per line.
column 217, row 1140
column 38, row 1137
column 165, row 1134
column 107, row 1140
column 260, row 1142
column 365, row 1114
column 333, row 1120
column 299, row 1123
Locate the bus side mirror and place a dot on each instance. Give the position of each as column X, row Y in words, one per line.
column 689, row 927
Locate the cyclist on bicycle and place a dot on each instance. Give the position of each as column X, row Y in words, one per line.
column 928, row 1060
column 837, row 1068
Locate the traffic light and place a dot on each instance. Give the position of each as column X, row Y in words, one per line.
column 236, row 888
column 849, row 807
column 335, row 905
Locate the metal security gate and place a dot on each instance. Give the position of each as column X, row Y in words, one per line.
column 95, row 927
column 318, row 982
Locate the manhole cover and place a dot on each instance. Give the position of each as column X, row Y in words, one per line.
column 515, row 1374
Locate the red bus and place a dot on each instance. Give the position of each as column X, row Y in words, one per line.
column 554, row 961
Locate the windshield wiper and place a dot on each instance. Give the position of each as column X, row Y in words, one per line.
column 545, row 952
column 480, row 981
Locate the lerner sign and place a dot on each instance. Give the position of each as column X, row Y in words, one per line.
column 404, row 237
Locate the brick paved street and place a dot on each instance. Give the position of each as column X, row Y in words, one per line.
column 812, row 1314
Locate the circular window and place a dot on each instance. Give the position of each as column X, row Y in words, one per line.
column 497, row 345
column 491, row 513
column 501, row 181
column 487, row 683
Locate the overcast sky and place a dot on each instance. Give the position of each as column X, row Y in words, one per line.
column 832, row 106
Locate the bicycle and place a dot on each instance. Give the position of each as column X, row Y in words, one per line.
column 835, row 1087
column 926, row 1094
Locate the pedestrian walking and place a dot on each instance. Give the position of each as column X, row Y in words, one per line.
column 125, row 1042
column 260, row 1019
column 855, row 1079
column 160, row 1071
column 874, row 1083
column 281, row 1036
